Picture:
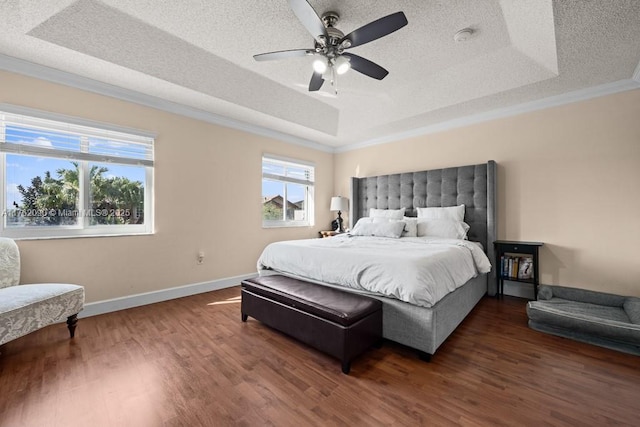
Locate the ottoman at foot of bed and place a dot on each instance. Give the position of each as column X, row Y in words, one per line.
column 341, row 324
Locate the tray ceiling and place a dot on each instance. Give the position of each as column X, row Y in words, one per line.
column 198, row 55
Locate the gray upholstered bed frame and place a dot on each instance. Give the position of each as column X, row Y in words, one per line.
column 425, row 329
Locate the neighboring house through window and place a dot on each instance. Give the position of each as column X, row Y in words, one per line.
column 287, row 192
column 67, row 177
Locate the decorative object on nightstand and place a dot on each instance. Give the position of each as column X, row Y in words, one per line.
column 339, row 204
column 518, row 262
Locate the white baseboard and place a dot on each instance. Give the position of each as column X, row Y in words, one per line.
column 115, row 304
column 518, row 289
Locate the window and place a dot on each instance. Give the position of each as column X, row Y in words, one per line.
column 287, row 192
column 61, row 177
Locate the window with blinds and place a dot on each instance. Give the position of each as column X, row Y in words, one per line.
column 65, row 177
column 287, row 192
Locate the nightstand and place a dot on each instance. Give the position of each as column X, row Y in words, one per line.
column 328, row 233
column 518, row 262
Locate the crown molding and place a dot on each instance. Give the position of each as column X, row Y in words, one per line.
column 15, row 65
column 636, row 74
column 48, row 115
column 42, row 72
column 541, row 104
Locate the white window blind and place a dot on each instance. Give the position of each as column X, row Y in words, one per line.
column 294, row 172
column 20, row 134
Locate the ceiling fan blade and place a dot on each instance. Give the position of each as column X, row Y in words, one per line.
column 366, row 67
column 308, row 17
column 282, row 54
column 376, row 29
column 316, row 82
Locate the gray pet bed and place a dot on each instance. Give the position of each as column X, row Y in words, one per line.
column 607, row 320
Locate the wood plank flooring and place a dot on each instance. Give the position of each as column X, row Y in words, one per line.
column 192, row 362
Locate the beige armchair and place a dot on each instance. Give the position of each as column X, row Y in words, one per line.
column 26, row 308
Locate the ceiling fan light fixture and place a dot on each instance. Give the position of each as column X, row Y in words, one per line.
column 320, row 65
column 342, row 65
column 330, row 44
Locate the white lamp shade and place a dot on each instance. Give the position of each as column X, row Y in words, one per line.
column 342, row 65
column 339, row 203
column 320, row 65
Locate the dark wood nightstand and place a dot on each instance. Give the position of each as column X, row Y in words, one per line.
column 518, row 262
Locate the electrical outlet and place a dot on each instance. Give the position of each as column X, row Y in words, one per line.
column 200, row 258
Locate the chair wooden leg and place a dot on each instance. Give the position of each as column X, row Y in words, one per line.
column 72, row 321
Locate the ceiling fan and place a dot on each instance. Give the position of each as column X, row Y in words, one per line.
column 331, row 43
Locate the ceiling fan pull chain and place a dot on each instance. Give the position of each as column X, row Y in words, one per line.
column 334, row 80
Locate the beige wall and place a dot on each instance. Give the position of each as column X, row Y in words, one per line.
column 207, row 197
column 567, row 176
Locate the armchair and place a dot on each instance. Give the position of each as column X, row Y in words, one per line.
column 27, row 308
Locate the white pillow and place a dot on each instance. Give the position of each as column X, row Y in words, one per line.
column 410, row 225
column 380, row 229
column 363, row 220
column 446, row 228
column 386, row 213
column 451, row 212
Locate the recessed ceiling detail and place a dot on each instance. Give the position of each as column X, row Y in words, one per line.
column 100, row 31
column 200, row 55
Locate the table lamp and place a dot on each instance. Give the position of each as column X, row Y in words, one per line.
column 339, row 204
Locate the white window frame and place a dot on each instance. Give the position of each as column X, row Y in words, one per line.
column 308, row 184
column 74, row 125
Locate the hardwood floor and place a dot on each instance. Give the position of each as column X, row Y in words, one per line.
column 192, row 362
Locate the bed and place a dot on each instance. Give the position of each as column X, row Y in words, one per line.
column 416, row 322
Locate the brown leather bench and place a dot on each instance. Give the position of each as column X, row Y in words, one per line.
column 341, row 324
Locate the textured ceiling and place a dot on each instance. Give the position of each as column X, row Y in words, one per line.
column 200, row 55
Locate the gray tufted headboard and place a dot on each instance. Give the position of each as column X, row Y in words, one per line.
column 474, row 186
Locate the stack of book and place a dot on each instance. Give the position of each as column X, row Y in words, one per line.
column 516, row 267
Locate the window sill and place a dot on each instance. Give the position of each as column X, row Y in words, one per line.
column 79, row 236
column 289, row 225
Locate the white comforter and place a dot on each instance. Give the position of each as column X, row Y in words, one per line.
column 417, row 270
